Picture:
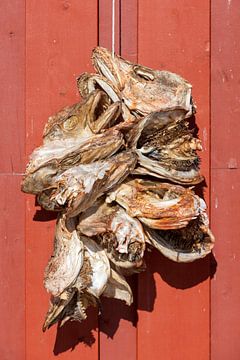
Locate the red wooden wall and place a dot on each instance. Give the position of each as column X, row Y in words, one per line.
column 181, row 311
column 225, row 111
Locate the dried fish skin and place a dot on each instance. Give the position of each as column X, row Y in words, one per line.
column 158, row 205
column 52, row 159
column 79, row 187
column 144, row 90
column 188, row 244
column 67, row 260
column 121, row 235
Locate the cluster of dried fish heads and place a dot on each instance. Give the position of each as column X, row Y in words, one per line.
column 113, row 166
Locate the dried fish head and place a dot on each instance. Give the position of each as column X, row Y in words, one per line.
column 121, row 235
column 78, row 134
column 158, row 205
column 89, row 82
column 82, row 120
column 67, row 260
column 71, row 298
column 144, row 90
column 188, row 244
column 70, row 305
column 96, row 278
column 104, row 280
column 74, row 301
column 167, row 150
column 77, row 188
column 72, row 121
column 58, row 307
column 53, row 158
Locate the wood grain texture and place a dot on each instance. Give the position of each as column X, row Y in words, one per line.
column 59, row 43
column 225, row 90
column 174, row 298
column 118, row 323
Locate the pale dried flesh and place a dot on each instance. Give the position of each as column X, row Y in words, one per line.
column 119, row 167
column 118, row 233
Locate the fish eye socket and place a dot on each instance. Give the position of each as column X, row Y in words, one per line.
column 70, row 123
column 143, row 73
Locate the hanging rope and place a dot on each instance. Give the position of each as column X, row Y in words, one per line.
column 113, row 27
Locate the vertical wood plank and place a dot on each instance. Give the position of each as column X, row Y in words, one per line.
column 12, row 118
column 174, row 298
column 225, row 97
column 118, row 321
column 225, row 294
column 105, row 24
column 129, row 30
column 225, row 90
column 60, row 37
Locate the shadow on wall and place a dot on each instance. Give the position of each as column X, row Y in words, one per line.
column 73, row 333
column 180, row 276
